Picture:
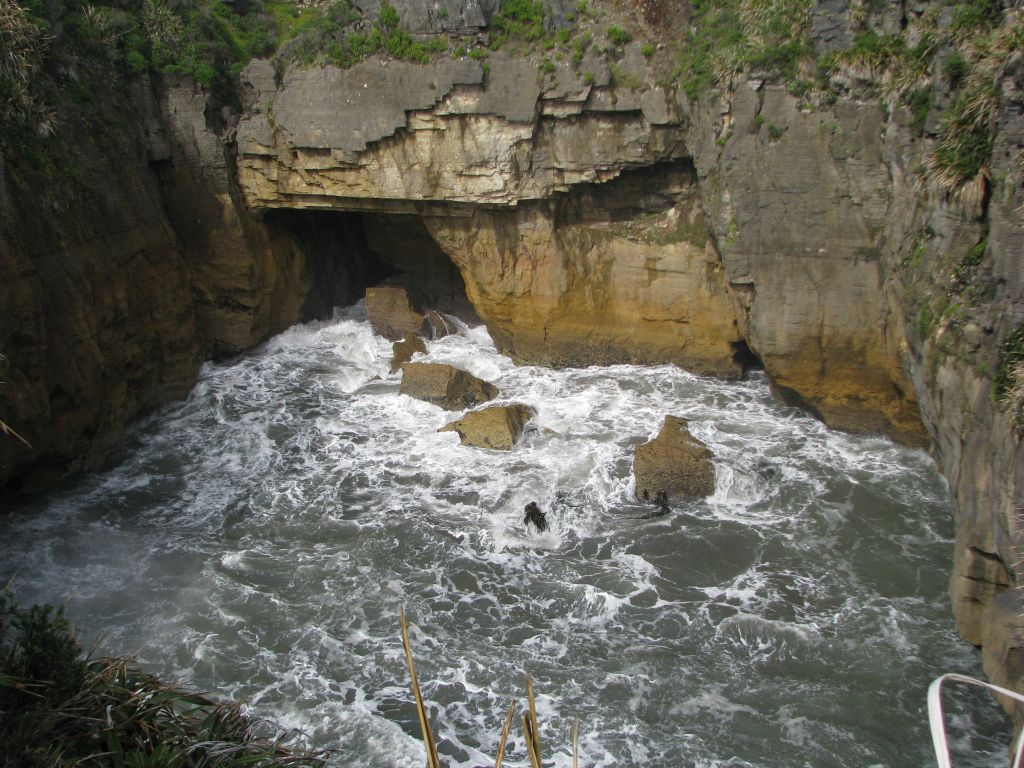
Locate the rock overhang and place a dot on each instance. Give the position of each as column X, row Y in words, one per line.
column 386, row 134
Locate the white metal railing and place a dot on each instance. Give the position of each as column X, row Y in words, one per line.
column 937, row 721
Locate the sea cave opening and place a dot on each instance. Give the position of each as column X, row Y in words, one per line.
column 350, row 251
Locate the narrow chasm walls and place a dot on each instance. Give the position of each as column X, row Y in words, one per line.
column 606, row 273
column 131, row 261
column 796, row 200
column 98, row 323
column 957, row 284
column 250, row 277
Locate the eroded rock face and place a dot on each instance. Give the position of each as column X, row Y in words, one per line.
column 674, row 465
column 402, row 351
column 615, row 273
column 451, row 388
column 956, row 329
column 115, row 293
column 797, row 201
column 1002, row 654
column 389, row 135
column 391, row 313
column 498, row 427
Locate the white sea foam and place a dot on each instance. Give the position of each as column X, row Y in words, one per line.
column 259, row 538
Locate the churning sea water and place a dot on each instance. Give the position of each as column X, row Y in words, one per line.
column 258, row 539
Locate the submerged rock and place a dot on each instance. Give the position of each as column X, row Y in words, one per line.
column 498, row 427
column 673, row 465
column 402, row 351
column 392, row 314
column 451, row 388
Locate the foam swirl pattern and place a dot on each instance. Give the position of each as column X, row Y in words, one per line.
column 258, row 539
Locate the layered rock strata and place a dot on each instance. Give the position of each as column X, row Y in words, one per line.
column 509, row 173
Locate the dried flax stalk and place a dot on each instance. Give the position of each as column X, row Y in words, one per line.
column 433, row 761
column 504, row 733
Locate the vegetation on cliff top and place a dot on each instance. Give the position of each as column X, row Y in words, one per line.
column 726, row 38
column 964, row 48
column 58, row 707
column 49, row 47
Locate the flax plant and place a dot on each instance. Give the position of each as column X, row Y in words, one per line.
column 59, row 707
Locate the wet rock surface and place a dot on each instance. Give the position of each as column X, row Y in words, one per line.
column 391, row 313
column 673, row 466
column 451, row 388
column 498, row 427
column 403, row 351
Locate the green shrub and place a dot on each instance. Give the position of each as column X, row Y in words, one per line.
column 966, row 143
column 618, row 36
column 521, row 20
column 920, row 103
column 1011, row 355
column 956, row 69
column 729, row 36
column 136, row 62
column 579, row 48
column 976, row 13
column 388, row 15
column 649, row 50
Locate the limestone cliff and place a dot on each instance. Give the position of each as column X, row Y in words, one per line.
column 126, row 266
column 797, row 201
column 810, row 233
column 593, row 215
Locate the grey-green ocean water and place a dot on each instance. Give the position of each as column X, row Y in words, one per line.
column 258, row 539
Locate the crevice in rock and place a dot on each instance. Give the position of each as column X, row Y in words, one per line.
column 745, row 358
column 643, row 191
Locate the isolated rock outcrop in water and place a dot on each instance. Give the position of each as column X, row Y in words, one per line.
column 674, row 463
column 391, row 313
column 451, row 388
column 498, row 427
column 402, row 351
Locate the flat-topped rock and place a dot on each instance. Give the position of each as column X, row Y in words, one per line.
column 497, row 427
column 451, row 388
column 674, row 465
